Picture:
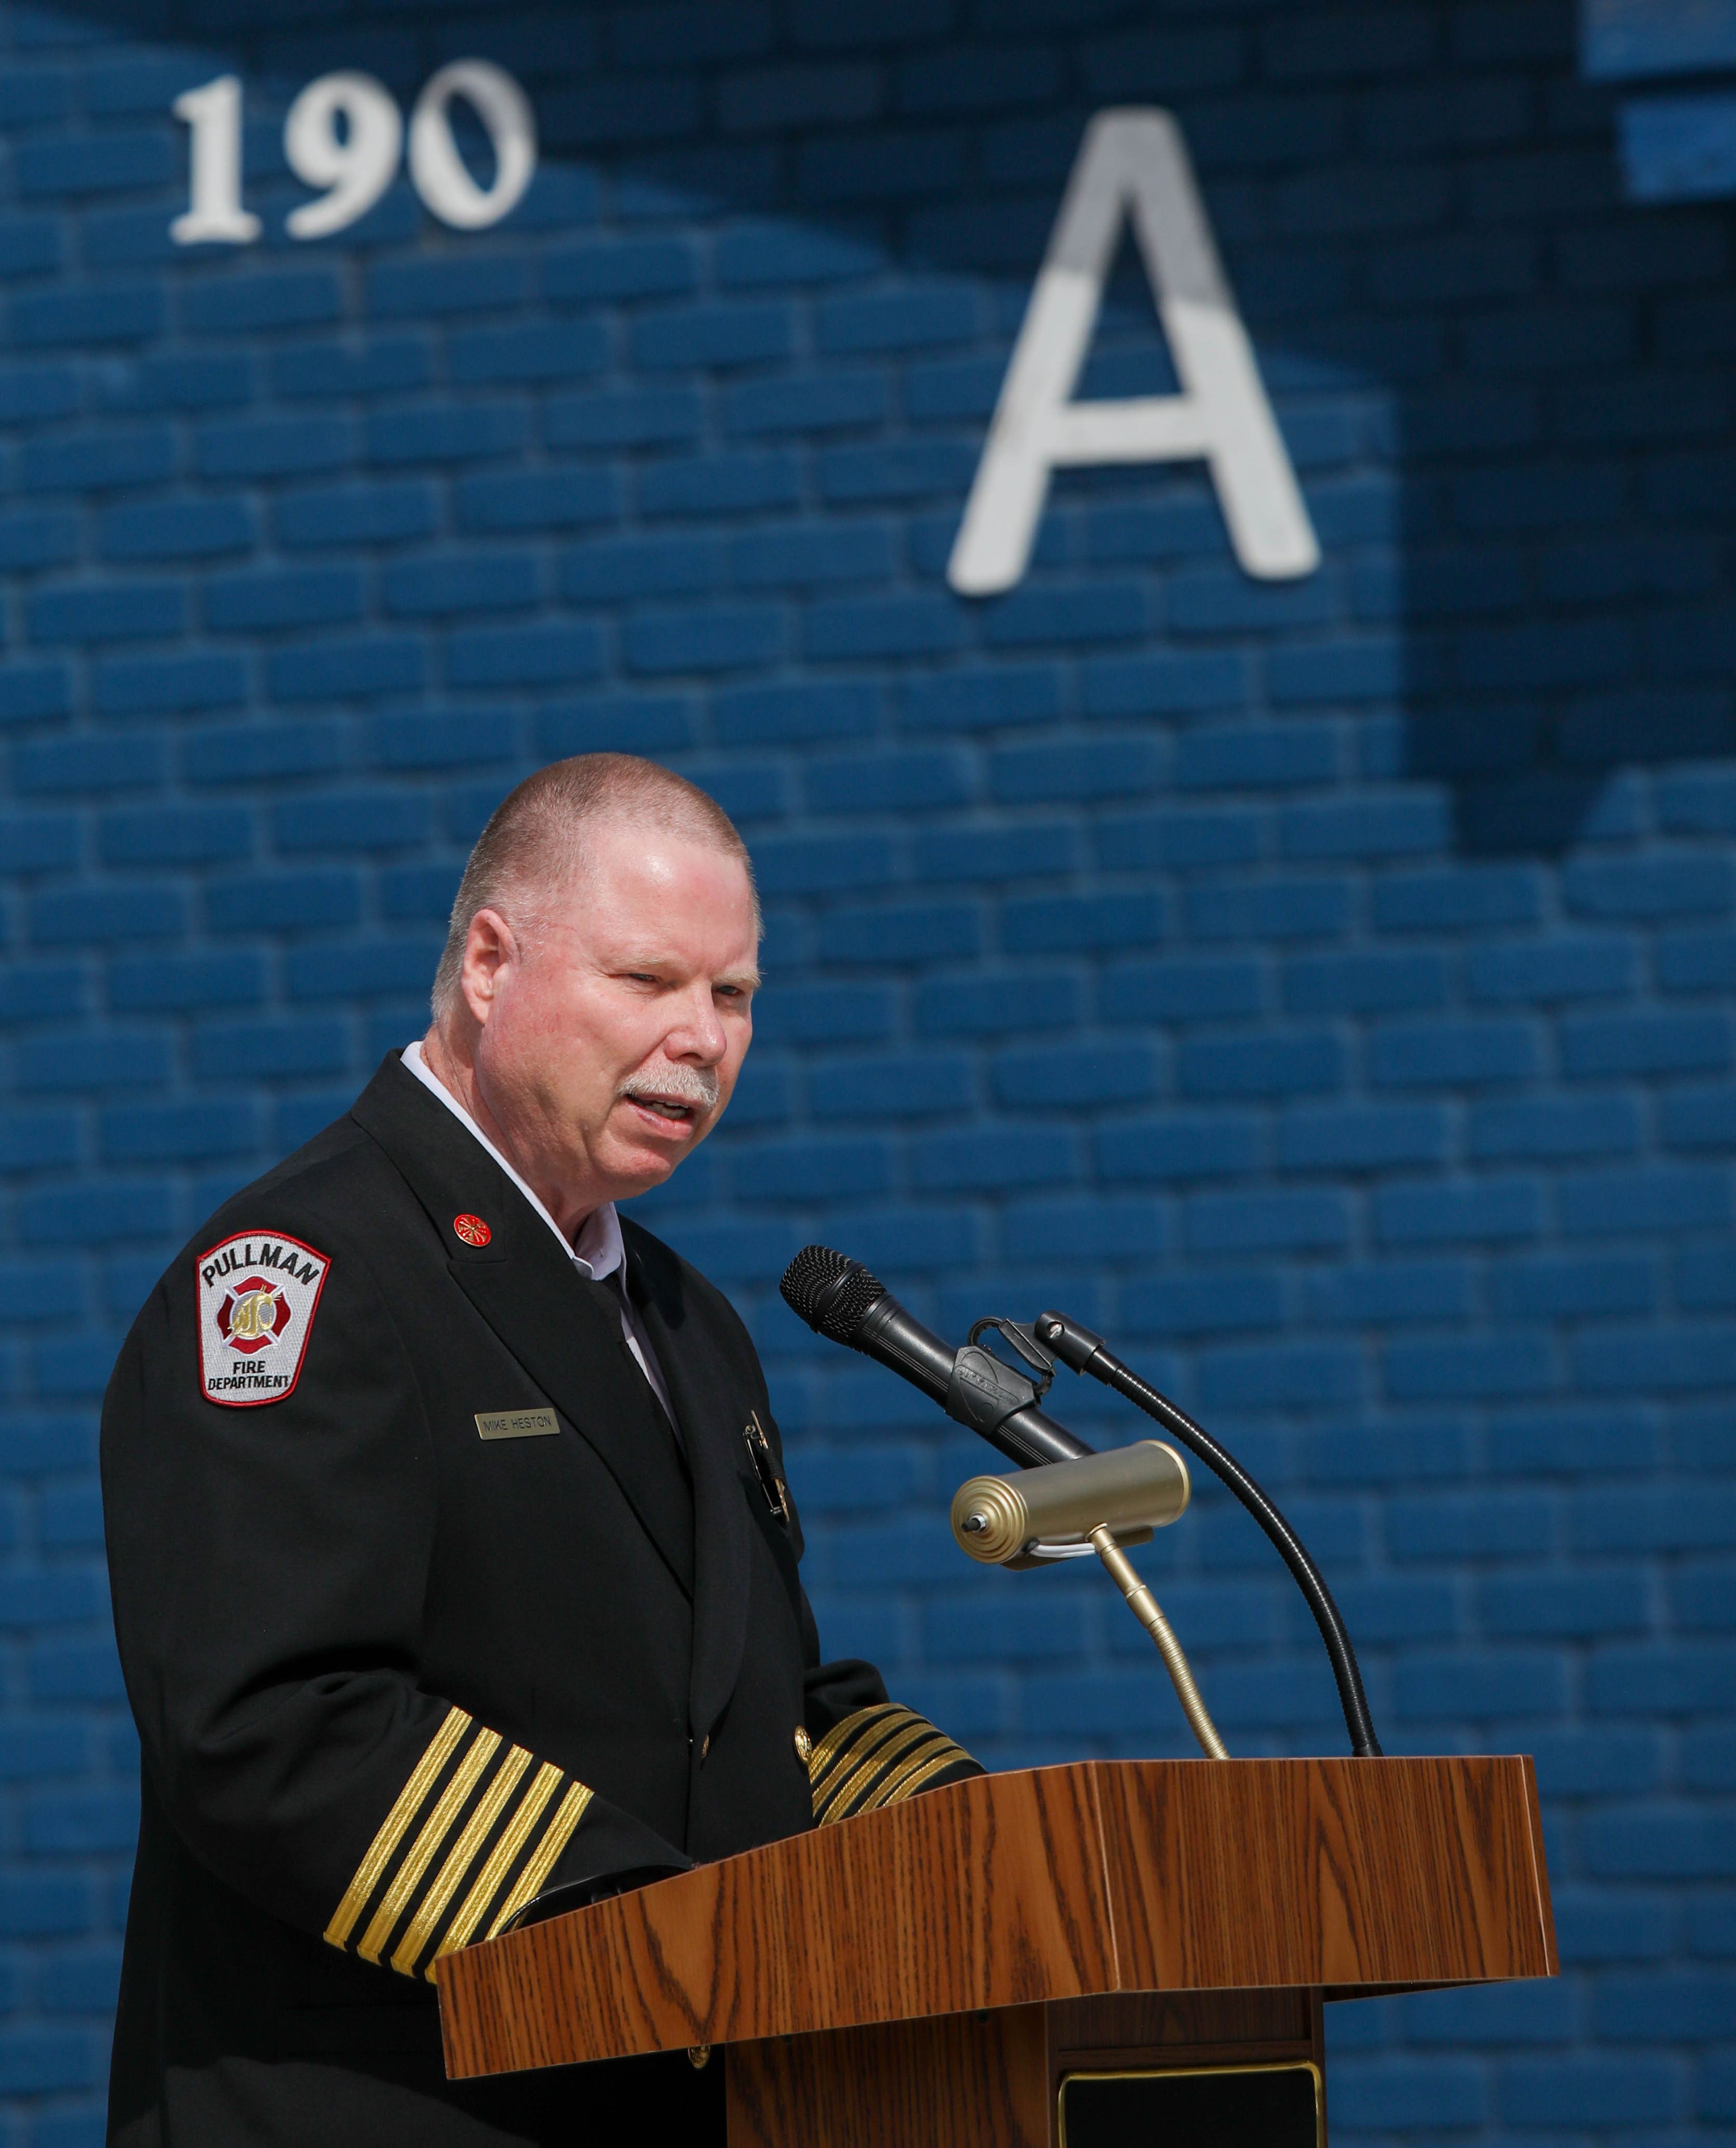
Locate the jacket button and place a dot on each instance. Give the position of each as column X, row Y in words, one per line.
column 803, row 1744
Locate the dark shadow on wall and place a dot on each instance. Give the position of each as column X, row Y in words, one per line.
column 1537, row 571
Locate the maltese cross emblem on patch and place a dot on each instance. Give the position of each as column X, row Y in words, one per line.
column 258, row 1292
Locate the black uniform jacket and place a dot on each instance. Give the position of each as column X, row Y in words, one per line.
column 438, row 1616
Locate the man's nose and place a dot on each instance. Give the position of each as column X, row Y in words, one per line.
column 698, row 1034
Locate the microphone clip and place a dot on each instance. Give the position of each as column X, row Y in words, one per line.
column 983, row 1392
column 1025, row 1344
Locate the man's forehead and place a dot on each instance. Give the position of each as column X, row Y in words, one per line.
column 653, row 936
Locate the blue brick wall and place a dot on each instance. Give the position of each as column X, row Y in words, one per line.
column 1323, row 987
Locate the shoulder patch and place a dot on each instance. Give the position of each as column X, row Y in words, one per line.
column 258, row 1292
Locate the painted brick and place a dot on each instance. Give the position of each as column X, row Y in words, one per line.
column 1240, row 1222
column 1597, row 1047
column 1492, row 1365
column 1281, row 1375
column 1422, row 1211
column 914, row 1087
column 385, row 365
column 1379, row 828
column 1461, row 897
column 622, row 418
column 1036, row 851
column 1257, row 757
column 934, row 933
column 1579, row 967
column 1500, row 1684
column 1276, row 909
column 1180, row 989
column 984, row 1003
column 1128, row 1228
column 1696, row 961
column 1572, row 1287
column 1278, row 1063
column 1223, row 1300
column 1555, row 1127
column 727, row 333
column 603, row 269
column 1430, row 1054
column 261, row 447
column 1068, row 1077
column 109, row 612
column 1389, row 1292
column 1166, row 685
column 194, row 529
column 1084, row 770
column 1363, row 984
column 1068, row 889
column 1362, row 1137
column 1058, row 924
column 329, row 515
column 1621, row 1360
column 982, row 700
column 516, row 656
column 1660, row 1198
column 1177, row 841
column 1661, row 885
column 1182, row 1145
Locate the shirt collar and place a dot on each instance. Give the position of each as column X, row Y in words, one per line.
column 598, row 1248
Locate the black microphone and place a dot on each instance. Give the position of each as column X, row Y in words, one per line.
column 839, row 1299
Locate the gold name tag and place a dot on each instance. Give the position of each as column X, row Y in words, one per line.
column 516, row 1424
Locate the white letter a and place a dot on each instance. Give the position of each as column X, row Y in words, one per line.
column 1132, row 159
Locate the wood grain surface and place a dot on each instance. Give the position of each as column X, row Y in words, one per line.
column 993, row 2080
column 965, row 2080
column 1053, row 1884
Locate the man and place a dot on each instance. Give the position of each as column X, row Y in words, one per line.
column 455, row 1576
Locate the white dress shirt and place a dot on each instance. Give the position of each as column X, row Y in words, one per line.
column 598, row 1252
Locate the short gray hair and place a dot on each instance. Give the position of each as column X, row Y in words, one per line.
column 534, row 841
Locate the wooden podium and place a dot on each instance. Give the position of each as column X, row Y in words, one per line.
column 1070, row 1957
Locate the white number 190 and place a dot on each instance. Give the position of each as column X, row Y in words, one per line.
column 344, row 133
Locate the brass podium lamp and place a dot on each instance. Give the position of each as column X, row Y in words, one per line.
column 1099, row 1503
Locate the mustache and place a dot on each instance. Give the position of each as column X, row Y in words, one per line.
column 687, row 1085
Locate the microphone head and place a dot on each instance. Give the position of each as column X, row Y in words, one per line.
column 830, row 1293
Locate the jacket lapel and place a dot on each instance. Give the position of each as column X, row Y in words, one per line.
column 527, row 1291
column 717, row 1456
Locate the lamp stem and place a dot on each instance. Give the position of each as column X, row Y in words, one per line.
column 1145, row 1607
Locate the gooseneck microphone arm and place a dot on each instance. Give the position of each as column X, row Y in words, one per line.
column 1086, row 1352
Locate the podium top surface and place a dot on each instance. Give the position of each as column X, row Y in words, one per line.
column 1054, row 1883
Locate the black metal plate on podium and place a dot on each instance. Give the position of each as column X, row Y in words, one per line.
column 1215, row 2107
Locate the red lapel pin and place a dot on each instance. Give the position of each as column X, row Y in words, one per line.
column 472, row 1230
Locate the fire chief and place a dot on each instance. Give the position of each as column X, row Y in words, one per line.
column 455, row 1572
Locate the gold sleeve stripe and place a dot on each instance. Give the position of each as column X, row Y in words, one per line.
column 877, row 1757
column 915, row 1771
column 501, row 1858
column 480, row 1819
column 949, row 1757
column 556, row 1835
column 425, row 1848
column 462, row 1854
column 440, row 1750
column 840, row 1733
column 891, row 1721
column 842, row 1797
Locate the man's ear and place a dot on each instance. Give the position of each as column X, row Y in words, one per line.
column 490, row 949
